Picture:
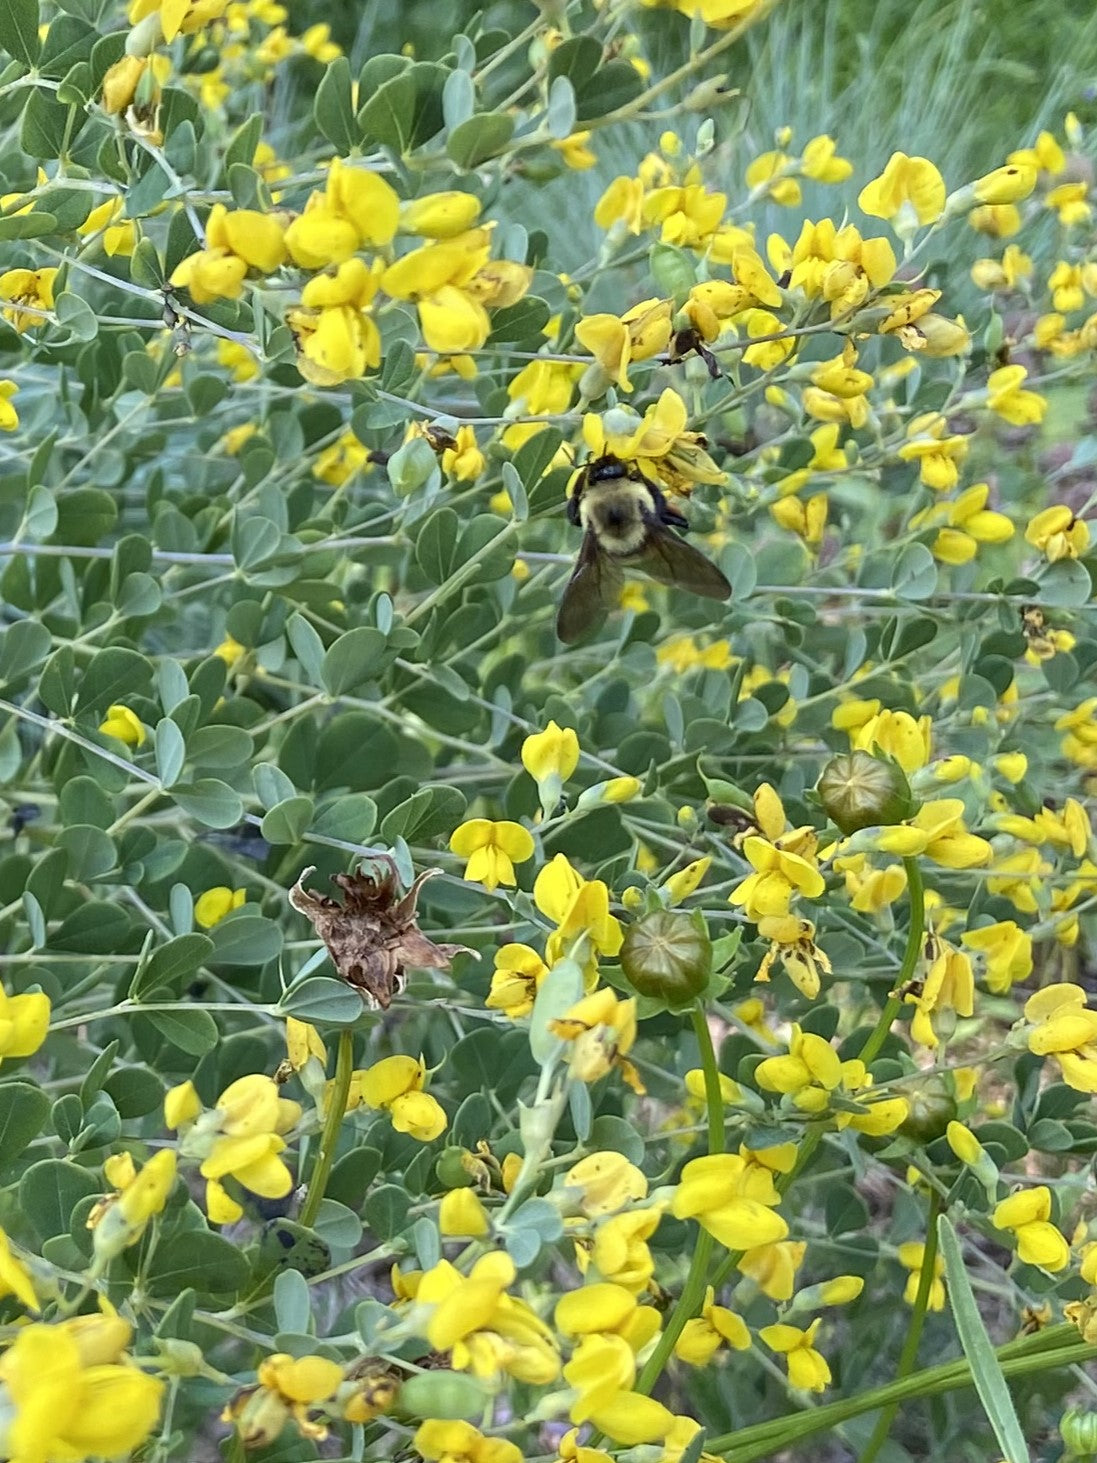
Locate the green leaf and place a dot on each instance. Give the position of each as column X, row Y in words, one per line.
column 578, row 59
column 171, row 964
column 210, row 801
column 196, row 1258
column 321, row 998
column 436, row 546
column 19, row 20
column 91, row 853
column 351, row 659
column 333, row 109
column 615, row 85
column 986, row 1371
column 559, row 991
column 23, row 1110
column 1066, row 584
column 450, row 1396
column 27, row 225
column 386, row 1211
column 430, row 811
column 95, row 928
column 288, row 820
column 245, row 939
column 479, row 138
column 351, row 818
column 191, row 1029
column 50, row 1190
column 914, row 575
column 171, row 751
column 79, row 319
column 406, row 109
column 23, row 646
column 114, row 674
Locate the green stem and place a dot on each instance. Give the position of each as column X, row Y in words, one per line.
column 333, row 1118
column 913, row 950
column 1019, row 1358
column 693, row 1291
column 892, row 1007
column 909, row 1354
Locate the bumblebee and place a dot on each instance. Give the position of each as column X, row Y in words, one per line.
column 626, row 522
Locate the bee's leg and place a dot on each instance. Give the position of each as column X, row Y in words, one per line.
column 573, row 509
column 668, row 516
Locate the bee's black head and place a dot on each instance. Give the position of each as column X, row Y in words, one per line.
column 607, row 469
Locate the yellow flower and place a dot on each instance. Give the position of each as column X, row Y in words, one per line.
column 337, row 464
column 24, row 1023
column 778, row 876
column 70, row 1405
column 395, row 1085
column 241, row 1137
column 236, row 241
column 602, row 1183
column 1007, row 184
column 580, row 907
column 29, row 292
column 773, row 1267
column 939, row 455
column 998, row 220
column 731, row 1197
column 486, row 1330
column 768, row 176
column 287, row 1387
column 461, row 1213
column 1028, row 1214
column 949, row 984
column 1007, row 950
column 819, row 161
column 1013, row 269
column 601, row 1029
column 117, row 238
column 686, row 881
column 460, row 1442
column 805, row 517
column 519, row 972
column 15, row 1278
column 911, row 1256
column 910, row 190
column 807, row 1368
column 492, row 850
column 575, row 152
column 440, row 215
column 1066, row 1029
column 122, row 1218
column 703, row 1336
column 125, row 725
column 793, row 943
column 969, row 524
column 1058, row 534
column 1005, row 396
column 1070, row 203
column 463, row 461
column 9, row 417
column 551, row 757
column 211, row 907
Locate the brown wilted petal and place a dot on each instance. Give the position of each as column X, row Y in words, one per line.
column 373, row 936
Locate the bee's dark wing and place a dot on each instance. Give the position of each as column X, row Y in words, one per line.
column 591, row 592
column 671, row 560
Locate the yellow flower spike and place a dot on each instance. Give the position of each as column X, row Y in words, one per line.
column 212, row 907
column 807, row 1368
column 492, row 850
column 909, row 190
column 461, row 1214
column 24, row 1023
column 1027, row 1214
column 124, row 725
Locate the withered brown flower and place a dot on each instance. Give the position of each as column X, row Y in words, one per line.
column 373, row 937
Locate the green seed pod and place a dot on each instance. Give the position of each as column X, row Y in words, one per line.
column 1078, row 1431
column 668, row 955
column 932, row 1108
column 453, row 1168
column 859, row 790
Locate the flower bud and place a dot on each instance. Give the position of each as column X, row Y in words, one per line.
column 859, row 790
column 932, row 1109
column 668, row 956
column 453, row 1168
